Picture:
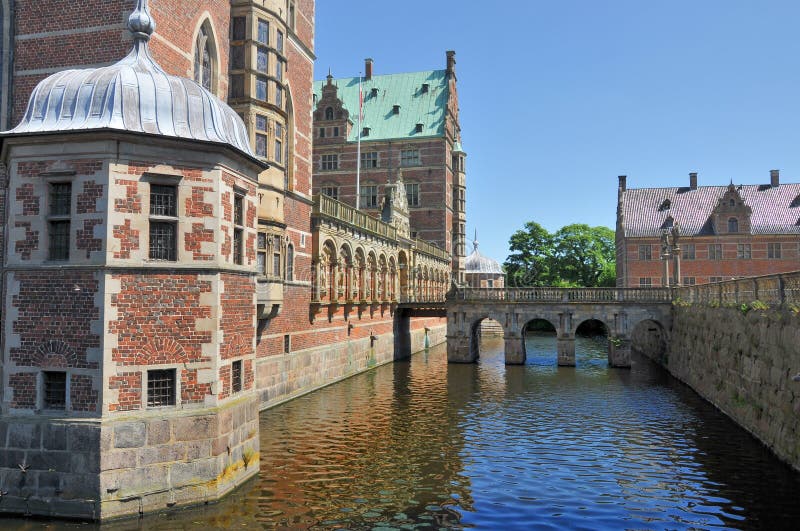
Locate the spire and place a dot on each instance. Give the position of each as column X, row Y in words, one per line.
column 330, row 76
column 141, row 22
column 475, row 241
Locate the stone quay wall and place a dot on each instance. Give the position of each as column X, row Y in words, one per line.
column 737, row 344
column 283, row 377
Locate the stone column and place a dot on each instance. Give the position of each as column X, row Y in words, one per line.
column 676, row 269
column 515, row 350
column 566, row 351
column 665, row 279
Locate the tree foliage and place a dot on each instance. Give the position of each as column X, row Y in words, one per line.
column 575, row 255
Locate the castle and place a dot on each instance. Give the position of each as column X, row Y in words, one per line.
column 171, row 264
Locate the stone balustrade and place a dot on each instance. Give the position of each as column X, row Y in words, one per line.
column 329, row 207
column 773, row 290
column 548, row 294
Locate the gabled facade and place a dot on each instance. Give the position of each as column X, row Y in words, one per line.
column 409, row 122
column 723, row 232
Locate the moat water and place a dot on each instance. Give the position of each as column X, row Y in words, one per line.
column 421, row 444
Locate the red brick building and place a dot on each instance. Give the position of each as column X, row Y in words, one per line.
column 166, row 269
column 409, row 126
column 724, row 231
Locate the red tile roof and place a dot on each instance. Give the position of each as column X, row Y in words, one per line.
column 775, row 210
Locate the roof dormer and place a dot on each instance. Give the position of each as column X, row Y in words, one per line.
column 732, row 214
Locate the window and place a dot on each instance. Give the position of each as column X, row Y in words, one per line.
column 412, row 194
column 163, row 222
column 279, row 70
column 773, row 250
column 262, row 60
column 287, row 343
column 261, row 88
column 239, row 28
column 335, row 131
column 279, row 42
column 55, row 389
column 715, row 251
column 369, row 196
column 276, row 256
column 291, row 15
column 278, row 142
column 236, row 376
column 733, row 224
column 322, row 132
column 689, row 281
column 263, row 31
column 715, row 279
column 330, row 191
column 237, row 86
column 687, row 252
column 237, row 57
column 330, row 162
column 290, row 262
column 329, row 113
column 59, row 220
column 203, row 67
column 161, row 388
column 369, row 159
column 261, row 255
column 645, row 282
column 732, row 203
column 645, row 252
column 261, row 136
column 279, row 95
column 743, row 251
column 409, row 157
column 238, row 229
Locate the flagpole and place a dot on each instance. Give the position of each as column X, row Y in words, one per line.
column 358, row 149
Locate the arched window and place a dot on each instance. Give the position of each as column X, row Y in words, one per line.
column 732, row 202
column 290, row 262
column 204, row 57
column 733, row 225
column 329, row 113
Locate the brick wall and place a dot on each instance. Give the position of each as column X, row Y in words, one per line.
column 702, row 268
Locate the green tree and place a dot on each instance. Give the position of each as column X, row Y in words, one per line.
column 531, row 254
column 575, row 255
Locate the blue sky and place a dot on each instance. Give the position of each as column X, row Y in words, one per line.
column 560, row 97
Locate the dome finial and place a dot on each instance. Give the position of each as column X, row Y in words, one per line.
column 475, row 241
column 141, row 22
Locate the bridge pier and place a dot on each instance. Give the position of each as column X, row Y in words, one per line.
column 515, row 351
column 459, row 349
column 619, row 353
column 566, row 351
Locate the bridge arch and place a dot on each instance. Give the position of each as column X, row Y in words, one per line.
column 475, row 334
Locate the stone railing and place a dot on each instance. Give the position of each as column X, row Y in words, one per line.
column 424, row 247
column 329, row 207
column 771, row 289
column 568, row 295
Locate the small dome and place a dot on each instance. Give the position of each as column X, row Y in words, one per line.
column 134, row 95
column 477, row 263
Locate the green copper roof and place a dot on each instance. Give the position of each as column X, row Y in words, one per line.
column 405, row 90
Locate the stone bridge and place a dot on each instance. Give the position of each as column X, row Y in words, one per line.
column 623, row 311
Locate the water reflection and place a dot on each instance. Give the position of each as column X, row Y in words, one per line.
column 421, row 444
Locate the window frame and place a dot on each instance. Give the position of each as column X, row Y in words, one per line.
column 715, row 251
column 369, row 159
column 149, row 399
column 329, row 162
column 688, row 251
column 645, row 282
column 412, row 194
column 410, row 158
column 733, row 225
column 238, row 227
column 325, row 190
column 373, row 197
column 645, row 252
column 261, row 253
column 744, row 251
column 774, row 250
column 65, row 404
column 59, row 214
column 164, row 220
column 237, row 379
column 262, row 24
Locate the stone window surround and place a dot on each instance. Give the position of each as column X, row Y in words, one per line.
column 165, row 180
column 176, row 367
column 49, row 180
column 40, row 407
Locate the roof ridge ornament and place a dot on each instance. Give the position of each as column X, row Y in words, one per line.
column 141, row 23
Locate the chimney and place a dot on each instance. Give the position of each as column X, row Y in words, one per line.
column 368, row 68
column 775, row 178
column 451, row 63
column 693, row 181
column 623, row 180
column 395, row 109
